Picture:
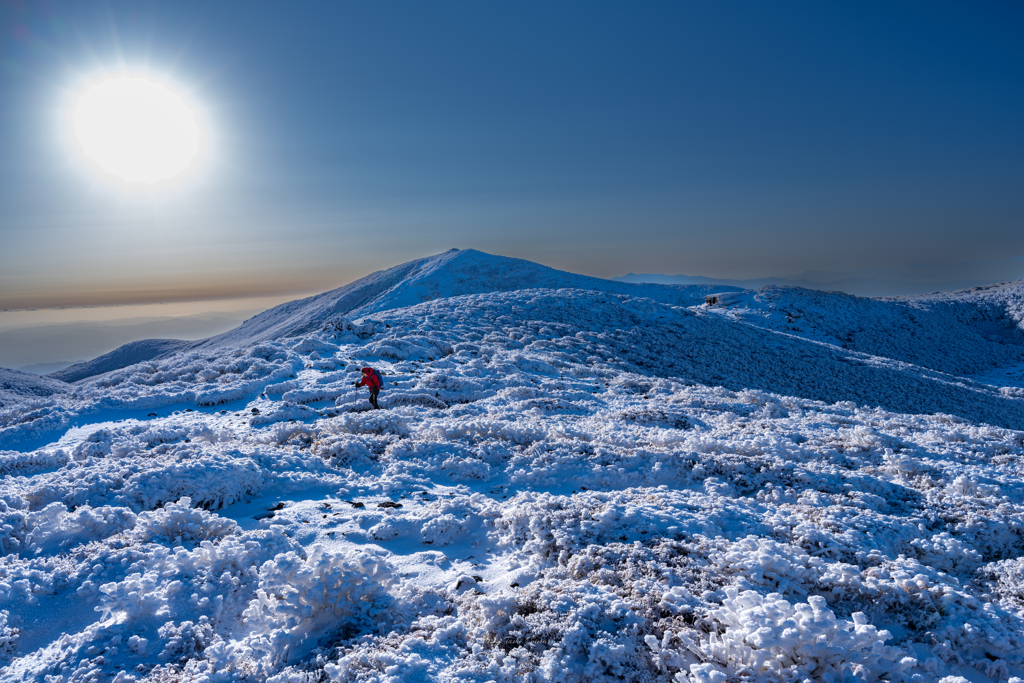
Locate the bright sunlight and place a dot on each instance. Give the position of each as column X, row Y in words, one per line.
column 137, row 130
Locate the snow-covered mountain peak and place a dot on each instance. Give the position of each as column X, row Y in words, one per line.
column 452, row 273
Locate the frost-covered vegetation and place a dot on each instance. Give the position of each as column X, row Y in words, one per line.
column 565, row 485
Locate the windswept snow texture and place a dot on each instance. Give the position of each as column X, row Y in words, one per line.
column 566, row 484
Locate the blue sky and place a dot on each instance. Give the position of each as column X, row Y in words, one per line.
column 730, row 140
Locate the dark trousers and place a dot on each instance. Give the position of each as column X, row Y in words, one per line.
column 373, row 398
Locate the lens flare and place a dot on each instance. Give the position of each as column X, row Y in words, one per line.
column 137, row 130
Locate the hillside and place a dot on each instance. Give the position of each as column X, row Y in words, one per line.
column 16, row 386
column 562, row 482
column 859, row 286
column 122, row 356
column 961, row 333
column 968, row 333
column 453, row 273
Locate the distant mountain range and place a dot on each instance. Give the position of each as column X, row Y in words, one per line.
column 861, row 286
column 910, row 280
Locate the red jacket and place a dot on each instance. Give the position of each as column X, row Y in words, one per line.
column 369, row 379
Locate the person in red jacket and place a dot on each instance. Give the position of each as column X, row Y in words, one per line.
column 371, row 380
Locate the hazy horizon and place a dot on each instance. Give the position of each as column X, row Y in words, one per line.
column 943, row 275
column 57, row 337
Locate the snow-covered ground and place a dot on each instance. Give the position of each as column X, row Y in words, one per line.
column 570, row 482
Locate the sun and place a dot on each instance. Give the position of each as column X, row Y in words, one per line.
column 137, row 129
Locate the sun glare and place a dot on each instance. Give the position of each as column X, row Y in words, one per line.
column 137, row 130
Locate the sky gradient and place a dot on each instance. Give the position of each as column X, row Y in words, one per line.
column 730, row 140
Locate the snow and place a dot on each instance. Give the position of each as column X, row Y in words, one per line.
column 15, row 386
column 568, row 482
column 123, row 356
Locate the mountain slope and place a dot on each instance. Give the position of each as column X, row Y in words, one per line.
column 601, row 486
column 453, row 273
column 658, row 340
column 121, row 357
column 960, row 333
column 16, row 386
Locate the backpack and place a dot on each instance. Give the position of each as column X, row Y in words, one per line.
column 380, row 381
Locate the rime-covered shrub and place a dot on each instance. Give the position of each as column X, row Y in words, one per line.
column 8, row 636
column 13, row 527
column 769, row 635
column 343, row 450
column 96, row 445
column 372, row 422
column 443, row 530
column 393, row 399
column 455, row 388
column 394, row 526
column 179, row 523
column 340, row 326
column 299, row 599
column 218, row 580
column 54, row 527
column 14, row 462
column 946, row 553
column 413, row 347
column 213, row 482
column 466, row 469
column 186, row 639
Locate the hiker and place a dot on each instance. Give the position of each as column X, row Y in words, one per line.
column 372, row 381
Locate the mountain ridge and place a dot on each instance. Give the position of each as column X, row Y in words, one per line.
column 962, row 332
column 857, row 286
column 452, row 273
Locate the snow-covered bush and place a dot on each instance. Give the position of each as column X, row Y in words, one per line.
column 344, row 327
column 393, row 399
column 443, row 530
column 769, row 635
column 466, row 469
column 946, row 553
column 16, row 462
column 301, row 599
column 179, row 523
column 394, row 526
column 8, row 636
column 412, row 347
column 13, row 526
column 372, row 422
column 213, row 482
column 186, row 639
column 343, row 450
column 54, row 527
